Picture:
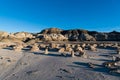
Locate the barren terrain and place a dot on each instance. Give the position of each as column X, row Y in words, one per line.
column 26, row 65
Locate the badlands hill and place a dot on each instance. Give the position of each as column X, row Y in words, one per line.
column 84, row 35
column 55, row 34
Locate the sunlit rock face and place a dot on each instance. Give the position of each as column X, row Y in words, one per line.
column 15, row 37
column 23, row 35
column 54, row 37
column 52, row 34
column 3, row 34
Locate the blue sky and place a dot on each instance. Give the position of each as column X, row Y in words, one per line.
column 35, row 15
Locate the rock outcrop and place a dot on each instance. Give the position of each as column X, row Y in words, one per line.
column 3, row 34
column 111, row 36
column 54, row 37
column 51, row 31
column 87, row 37
column 15, row 37
column 55, row 34
column 23, row 35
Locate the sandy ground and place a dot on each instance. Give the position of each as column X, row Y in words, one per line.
column 27, row 65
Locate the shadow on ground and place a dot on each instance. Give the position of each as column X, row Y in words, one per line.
column 51, row 54
column 98, row 68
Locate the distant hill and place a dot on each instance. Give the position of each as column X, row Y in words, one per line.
column 55, row 34
column 84, row 35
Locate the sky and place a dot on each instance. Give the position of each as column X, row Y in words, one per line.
column 36, row 15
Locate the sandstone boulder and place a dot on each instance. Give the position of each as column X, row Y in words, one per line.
column 61, row 50
column 34, row 48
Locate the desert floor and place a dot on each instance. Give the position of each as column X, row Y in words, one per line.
column 27, row 65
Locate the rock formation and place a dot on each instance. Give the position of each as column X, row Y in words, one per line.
column 72, row 53
column 54, row 37
column 3, row 34
column 34, row 48
column 109, row 64
column 23, row 35
column 92, row 47
column 17, row 48
column 55, row 34
column 46, row 50
column 51, row 31
column 61, row 50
